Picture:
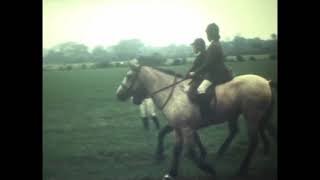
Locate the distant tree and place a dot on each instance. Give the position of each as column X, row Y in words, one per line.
column 239, row 58
column 128, row 49
column 102, row 64
column 272, row 56
column 61, row 68
column 176, row 62
column 83, row 66
column 54, row 57
column 228, row 59
column 183, row 60
column 227, row 48
column 68, row 68
column 252, row 58
column 255, row 46
column 182, row 51
column 155, row 59
column 239, row 45
column 69, row 52
column 274, row 44
column 158, row 58
column 100, row 54
column 45, row 52
column 270, row 45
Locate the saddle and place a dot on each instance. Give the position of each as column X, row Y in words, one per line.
column 207, row 108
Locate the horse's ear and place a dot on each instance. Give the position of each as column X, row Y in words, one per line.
column 134, row 65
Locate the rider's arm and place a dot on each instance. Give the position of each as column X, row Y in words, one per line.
column 209, row 61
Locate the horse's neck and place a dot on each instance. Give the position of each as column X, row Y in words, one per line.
column 155, row 80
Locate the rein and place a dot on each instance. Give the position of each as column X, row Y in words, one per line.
column 164, row 88
column 175, row 82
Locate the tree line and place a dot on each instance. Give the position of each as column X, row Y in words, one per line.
column 73, row 52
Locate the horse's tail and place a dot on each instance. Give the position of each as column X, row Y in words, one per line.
column 273, row 84
column 268, row 115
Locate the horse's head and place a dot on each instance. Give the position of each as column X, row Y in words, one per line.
column 131, row 85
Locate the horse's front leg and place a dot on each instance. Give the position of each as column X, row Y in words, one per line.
column 159, row 151
column 177, row 150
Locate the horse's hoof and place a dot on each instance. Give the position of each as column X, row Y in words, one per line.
column 167, row 177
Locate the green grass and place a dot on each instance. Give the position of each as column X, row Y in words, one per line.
column 88, row 134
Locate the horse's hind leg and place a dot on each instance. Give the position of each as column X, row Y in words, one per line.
column 262, row 128
column 272, row 131
column 265, row 140
column 233, row 131
column 253, row 142
column 159, row 152
column 253, row 119
column 267, row 121
column 266, row 143
column 203, row 151
column 266, row 125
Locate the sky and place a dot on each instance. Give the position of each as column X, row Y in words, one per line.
column 155, row 22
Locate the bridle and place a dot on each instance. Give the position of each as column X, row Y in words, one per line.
column 175, row 82
column 134, row 80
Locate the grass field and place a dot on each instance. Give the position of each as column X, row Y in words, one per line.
column 89, row 135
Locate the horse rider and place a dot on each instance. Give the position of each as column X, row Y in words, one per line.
column 212, row 70
column 199, row 47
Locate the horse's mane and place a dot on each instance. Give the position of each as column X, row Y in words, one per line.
column 146, row 61
column 168, row 71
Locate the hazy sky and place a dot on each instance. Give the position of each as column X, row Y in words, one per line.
column 155, row 22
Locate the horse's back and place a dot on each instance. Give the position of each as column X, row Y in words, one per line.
column 251, row 83
column 247, row 90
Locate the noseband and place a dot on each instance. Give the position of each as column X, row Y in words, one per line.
column 133, row 82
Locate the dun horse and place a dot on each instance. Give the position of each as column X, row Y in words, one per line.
column 249, row 95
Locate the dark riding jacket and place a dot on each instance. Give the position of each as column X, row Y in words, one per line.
column 198, row 61
column 213, row 67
